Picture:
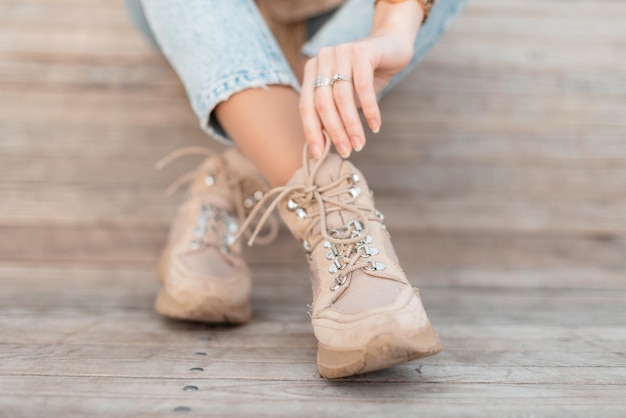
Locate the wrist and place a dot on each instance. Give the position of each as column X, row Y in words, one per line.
column 401, row 20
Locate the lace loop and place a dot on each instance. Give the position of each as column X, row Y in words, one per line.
column 305, row 195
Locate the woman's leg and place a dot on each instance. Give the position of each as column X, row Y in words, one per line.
column 238, row 81
column 366, row 314
column 271, row 134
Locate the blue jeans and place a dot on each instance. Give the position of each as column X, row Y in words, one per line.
column 221, row 47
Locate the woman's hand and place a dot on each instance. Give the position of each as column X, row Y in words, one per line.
column 359, row 70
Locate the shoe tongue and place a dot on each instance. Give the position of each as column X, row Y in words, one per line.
column 329, row 171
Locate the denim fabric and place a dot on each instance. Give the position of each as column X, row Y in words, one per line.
column 219, row 48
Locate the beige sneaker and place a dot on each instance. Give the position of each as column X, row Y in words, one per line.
column 204, row 277
column 365, row 313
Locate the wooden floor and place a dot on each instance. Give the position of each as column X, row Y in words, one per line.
column 501, row 168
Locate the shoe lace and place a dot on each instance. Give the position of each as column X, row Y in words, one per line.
column 214, row 227
column 347, row 244
column 213, row 219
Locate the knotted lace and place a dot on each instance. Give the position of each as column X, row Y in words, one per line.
column 308, row 195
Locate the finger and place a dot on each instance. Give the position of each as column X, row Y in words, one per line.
column 343, row 93
column 325, row 104
column 363, row 75
column 310, row 121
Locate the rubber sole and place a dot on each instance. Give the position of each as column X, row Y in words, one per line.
column 382, row 351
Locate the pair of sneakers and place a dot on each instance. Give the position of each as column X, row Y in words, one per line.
column 365, row 313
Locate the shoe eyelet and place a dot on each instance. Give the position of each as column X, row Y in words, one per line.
column 291, row 205
column 374, row 266
column 248, row 203
column 301, row 213
column 355, row 191
column 339, row 281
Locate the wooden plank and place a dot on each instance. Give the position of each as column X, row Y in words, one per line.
column 540, row 9
column 32, row 16
column 89, row 242
column 569, row 149
column 312, row 388
column 415, row 372
column 276, row 340
column 580, row 354
column 26, row 292
column 128, row 287
column 289, row 401
column 484, row 305
column 81, row 140
column 446, row 79
column 288, row 325
column 527, row 257
column 121, row 108
column 481, row 259
column 30, row 72
column 136, row 205
column 81, row 37
column 532, row 57
column 517, row 176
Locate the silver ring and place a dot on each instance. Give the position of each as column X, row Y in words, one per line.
column 340, row 77
column 322, row 81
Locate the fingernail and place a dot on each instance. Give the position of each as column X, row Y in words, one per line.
column 343, row 150
column 374, row 126
column 316, row 151
column 357, row 143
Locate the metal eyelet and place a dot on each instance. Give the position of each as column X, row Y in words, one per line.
column 291, row 205
column 355, row 191
column 248, row 203
column 358, row 226
column 366, row 251
column 374, row 265
column 301, row 213
column 339, row 281
column 334, row 252
column 336, row 265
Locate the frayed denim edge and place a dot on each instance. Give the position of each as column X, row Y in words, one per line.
column 209, row 99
